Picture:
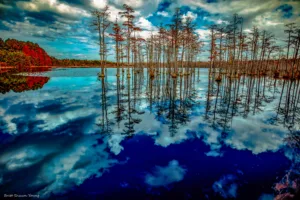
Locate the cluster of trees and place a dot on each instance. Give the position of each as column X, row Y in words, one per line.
column 75, row 62
column 174, row 48
column 21, row 54
column 234, row 51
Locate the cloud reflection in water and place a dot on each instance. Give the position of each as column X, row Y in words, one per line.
column 55, row 131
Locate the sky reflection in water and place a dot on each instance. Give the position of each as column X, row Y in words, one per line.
column 76, row 136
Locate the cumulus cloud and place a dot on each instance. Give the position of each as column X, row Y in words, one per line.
column 166, row 138
column 139, row 5
column 58, row 148
column 74, row 166
column 163, row 13
column 145, row 24
column 54, row 110
column 212, row 138
column 64, row 162
column 99, row 4
column 21, row 158
column 214, row 153
column 52, row 5
column 203, row 33
column 223, row 7
column 114, row 143
column 270, row 15
column 147, row 27
column 226, row 186
column 253, row 135
column 190, row 15
column 216, row 20
column 27, row 27
column 163, row 176
column 266, row 15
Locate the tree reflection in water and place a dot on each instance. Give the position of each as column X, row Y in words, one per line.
column 126, row 101
column 172, row 100
column 18, row 83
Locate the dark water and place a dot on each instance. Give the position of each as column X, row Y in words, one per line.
column 67, row 134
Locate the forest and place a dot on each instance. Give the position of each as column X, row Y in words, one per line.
column 15, row 53
column 176, row 48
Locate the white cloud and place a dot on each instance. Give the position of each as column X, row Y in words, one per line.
column 61, row 168
column 268, row 19
column 190, row 15
column 114, row 143
column 29, row 29
column 255, row 13
column 163, row 13
column 140, row 5
column 61, row 172
column 225, row 7
column 52, row 5
column 64, row 162
column 163, row 176
column 212, row 138
column 114, row 13
column 99, row 4
column 214, row 153
column 260, row 13
column 10, row 127
column 226, row 186
column 20, row 158
column 166, row 138
column 134, row 3
column 145, row 24
column 220, row 21
column 112, row 10
column 147, row 27
column 216, row 20
column 147, row 34
column 204, row 34
column 51, row 120
column 253, row 135
column 54, row 120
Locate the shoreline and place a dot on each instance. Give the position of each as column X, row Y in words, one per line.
column 34, row 67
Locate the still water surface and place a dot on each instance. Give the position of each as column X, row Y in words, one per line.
column 67, row 134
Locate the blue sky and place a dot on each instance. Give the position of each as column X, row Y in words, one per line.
column 62, row 27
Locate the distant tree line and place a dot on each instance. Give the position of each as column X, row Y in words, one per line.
column 20, row 54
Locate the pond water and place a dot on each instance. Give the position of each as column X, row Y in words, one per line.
column 68, row 134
